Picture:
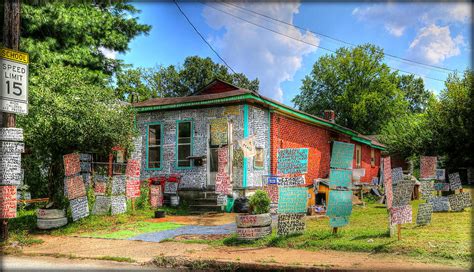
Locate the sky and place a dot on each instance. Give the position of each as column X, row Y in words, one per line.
column 436, row 34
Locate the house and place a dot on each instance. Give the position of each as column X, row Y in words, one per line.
column 181, row 135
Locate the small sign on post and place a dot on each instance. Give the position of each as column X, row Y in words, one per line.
column 14, row 81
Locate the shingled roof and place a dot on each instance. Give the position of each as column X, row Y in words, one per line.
column 219, row 92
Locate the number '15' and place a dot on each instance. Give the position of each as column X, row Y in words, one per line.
column 16, row 86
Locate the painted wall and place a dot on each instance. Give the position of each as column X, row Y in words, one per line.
column 290, row 133
column 196, row 176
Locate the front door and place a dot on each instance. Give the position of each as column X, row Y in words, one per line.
column 212, row 158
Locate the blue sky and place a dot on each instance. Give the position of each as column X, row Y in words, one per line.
column 438, row 34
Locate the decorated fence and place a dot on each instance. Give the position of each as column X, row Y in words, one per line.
column 339, row 206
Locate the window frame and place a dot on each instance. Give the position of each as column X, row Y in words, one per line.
column 372, row 157
column 191, row 144
column 358, row 156
column 263, row 159
column 147, row 145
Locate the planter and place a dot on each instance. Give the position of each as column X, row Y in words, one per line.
column 50, row 218
column 253, row 220
column 50, row 213
column 253, row 233
column 51, row 223
column 253, row 226
column 160, row 214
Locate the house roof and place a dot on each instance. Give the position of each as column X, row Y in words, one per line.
column 215, row 97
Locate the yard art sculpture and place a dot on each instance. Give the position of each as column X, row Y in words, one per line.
column 247, row 146
column 132, row 173
column 74, row 186
column 292, row 199
column 339, row 206
column 401, row 211
column 428, row 166
column 223, row 185
column 219, row 132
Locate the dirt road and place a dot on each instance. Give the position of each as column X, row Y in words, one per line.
column 19, row 263
column 143, row 252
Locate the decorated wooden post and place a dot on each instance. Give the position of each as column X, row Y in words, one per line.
column 13, row 100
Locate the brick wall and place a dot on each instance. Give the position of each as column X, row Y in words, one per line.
column 290, row 133
column 370, row 171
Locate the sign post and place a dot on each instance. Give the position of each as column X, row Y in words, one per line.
column 13, row 99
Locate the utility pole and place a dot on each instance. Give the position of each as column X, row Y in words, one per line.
column 10, row 39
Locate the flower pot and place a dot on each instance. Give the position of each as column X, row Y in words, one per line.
column 253, row 233
column 50, row 213
column 253, row 226
column 50, row 218
column 253, row 220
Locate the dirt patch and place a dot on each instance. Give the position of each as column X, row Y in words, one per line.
column 212, row 237
column 199, row 253
column 200, row 220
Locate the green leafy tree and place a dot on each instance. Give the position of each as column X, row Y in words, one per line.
column 70, row 112
column 408, row 135
column 415, row 93
column 451, row 120
column 76, row 34
column 172, row 80
column 357, row 85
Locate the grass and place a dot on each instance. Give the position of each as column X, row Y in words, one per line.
column 131, row 230
column 118, row 227
column 446, row 240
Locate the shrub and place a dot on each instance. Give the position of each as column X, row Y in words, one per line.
column 259, row 202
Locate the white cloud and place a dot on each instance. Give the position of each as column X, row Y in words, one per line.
column 397, row 17
column 108, row 53
column 434, row 44
column 257, row 52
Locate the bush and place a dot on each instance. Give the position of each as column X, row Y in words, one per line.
column 259, row 202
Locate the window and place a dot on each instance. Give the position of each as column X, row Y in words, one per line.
column 154, row 146
column 184, row 143
column 258, row 159
column 372, row 157
column 358, row 156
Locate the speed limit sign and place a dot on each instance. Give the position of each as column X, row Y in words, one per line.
column 14, row 81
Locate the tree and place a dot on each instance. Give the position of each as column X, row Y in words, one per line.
column 415, row 93
column 77, row 34
column 451, row 120
column 172, row 80
column 408, row 135
column 70, row 112
column 357, row 85
column 72, row 106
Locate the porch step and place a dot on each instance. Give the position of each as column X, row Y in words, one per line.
column 208, row 194
column 204, row 201
column 207, row 208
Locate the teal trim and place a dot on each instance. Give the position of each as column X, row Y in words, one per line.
column 176, row 144
column 269, row 160
column 246, row 134
column 147, row 125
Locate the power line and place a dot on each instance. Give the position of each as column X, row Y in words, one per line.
column 303, row 41
column 336, row 39
column 202, row 37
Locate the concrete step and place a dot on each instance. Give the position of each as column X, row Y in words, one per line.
column 204, row 201
column 208, row 194
column 207, row 208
